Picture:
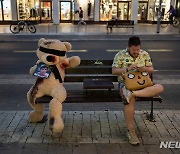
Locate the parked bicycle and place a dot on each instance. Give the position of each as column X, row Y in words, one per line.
column 165, row 21
column 19, row 26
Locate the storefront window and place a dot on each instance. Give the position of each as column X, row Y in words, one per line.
column 7, row 10
column 143, row 10
column 0, row 12
column 46, row 10
column 108, row 9
column 164, row 8
column 115, row 9
column 28, row 9
column 124, row 10
column 65, row 11
column 87, row 7
column 178, row 7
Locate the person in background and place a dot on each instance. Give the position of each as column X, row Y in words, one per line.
column 81, row 16
column 172, row 13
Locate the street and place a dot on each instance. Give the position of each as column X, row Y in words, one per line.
column 165, row 54
column 17, row 57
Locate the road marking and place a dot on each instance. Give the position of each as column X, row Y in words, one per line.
column 150, row 50
column 24, row 51
column 160, row 50
column 78, row 51
column 32, row 51
column 167, row 70
column 113, row 50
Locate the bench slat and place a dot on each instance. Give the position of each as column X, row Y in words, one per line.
column 97, row 83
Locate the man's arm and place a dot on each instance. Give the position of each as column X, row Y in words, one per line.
column 118, row 71
column 148, row 69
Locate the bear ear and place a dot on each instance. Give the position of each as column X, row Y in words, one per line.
column 41, row 40
column 68, row 45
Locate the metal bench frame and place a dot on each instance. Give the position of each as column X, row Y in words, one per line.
column 119, row 24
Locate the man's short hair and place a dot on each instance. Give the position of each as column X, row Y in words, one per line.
column 134, row 40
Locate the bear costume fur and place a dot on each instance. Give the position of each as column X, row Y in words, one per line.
column 52, row 53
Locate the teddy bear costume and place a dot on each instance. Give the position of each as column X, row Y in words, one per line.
column 53, row 54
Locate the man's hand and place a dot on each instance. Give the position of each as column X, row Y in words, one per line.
column 142, row 69
column 148, row 69
column 132, row 67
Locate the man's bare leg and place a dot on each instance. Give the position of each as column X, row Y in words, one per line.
column 129, row 118
column 129, row 113
column 149, row 91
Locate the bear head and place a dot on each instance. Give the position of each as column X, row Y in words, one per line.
column 52, row 52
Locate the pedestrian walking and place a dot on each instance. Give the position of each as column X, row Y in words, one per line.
column 81, row 21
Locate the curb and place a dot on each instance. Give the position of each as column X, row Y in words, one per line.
column 84, row 37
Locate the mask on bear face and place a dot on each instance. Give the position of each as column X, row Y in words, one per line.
column 52, row 51
column 137, row 80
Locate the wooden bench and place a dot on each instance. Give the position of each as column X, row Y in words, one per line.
column 98, row 85
column 119, row 24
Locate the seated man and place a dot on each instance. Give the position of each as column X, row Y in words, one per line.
column 133, row 59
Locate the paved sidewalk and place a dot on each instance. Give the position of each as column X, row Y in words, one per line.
column 89, row 132
column 70, row 32
column 93, row 29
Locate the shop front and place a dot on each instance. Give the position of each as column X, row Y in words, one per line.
column 5, row 11
column 45, row 11
column 115, row 9
column 142, row 11
column 87, row 7
column 95, row 11
column 66, row 12
column 34, row 10
column 153, row 6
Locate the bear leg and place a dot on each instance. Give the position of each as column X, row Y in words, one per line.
column 37, row 114
column 55, row 120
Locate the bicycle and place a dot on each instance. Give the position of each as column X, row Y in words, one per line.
column 165, row 21
column 19, row 26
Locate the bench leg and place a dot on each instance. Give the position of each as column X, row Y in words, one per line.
column 150, row 116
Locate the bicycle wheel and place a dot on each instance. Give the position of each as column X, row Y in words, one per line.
column 176, row 22
column 32, row 28
column 14, row 28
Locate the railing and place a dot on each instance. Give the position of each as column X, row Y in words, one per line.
column 52, row 24
column 81, row 23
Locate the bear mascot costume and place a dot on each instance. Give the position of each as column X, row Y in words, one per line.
column 50, row 72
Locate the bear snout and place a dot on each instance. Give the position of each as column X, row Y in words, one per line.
column 50, row 58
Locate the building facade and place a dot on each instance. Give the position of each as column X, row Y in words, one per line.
column 93, row 10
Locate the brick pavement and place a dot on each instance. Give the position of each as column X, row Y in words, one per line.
column 88, row 132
